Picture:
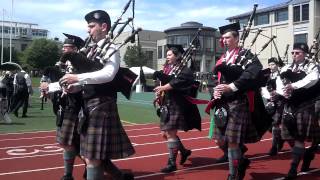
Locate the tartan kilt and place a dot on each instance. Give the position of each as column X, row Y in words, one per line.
column 176, row 118
column 307, row 124
column 317, row 110
column 105, row 137
column 67, row 133
column 239, row 128
column 278, row 114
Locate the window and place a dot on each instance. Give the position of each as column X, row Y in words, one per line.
column 305, row 12
column 296, row 13
column 183, row 40
column 300, row 38
column 149, row 55
column 301, row 13
column 171, row 40
column 281, row 15
column 243, row 21
column 261, row 19
column 160, row 54
column 209, row 44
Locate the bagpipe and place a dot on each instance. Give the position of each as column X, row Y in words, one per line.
column 314, row 49
column 189, row 90
column 261, row 120
column 186, row 57
column 300, row 96
column 92, row 62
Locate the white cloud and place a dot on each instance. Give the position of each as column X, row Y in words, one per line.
column 68, row 15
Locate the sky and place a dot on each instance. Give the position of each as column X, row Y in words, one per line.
column 67, row 16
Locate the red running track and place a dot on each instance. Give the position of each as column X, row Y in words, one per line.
column 36, row 155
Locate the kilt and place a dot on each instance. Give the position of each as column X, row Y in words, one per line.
column 278, row 114
column 67, row 134
column 317, row 110
column 239, row 128
column 307, row 124
column 176, row 117
column 105, row 137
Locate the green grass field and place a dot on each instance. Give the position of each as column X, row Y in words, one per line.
column 138, row 110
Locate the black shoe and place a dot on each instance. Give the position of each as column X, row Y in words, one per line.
column 127, row 176
column 66, row 177
column 16, row 114
column 292, row 174
column 169, row 168
column 243, row 166
column 243, row 149
column 84, row 175
column 24, row 116
column 184, row 156
column 273, row 151
column 280, row 145
column 307, row 158
column 222, row 159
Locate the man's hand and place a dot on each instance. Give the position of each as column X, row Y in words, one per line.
column 44, row 88
column 158, row 90
column 69, row 79
column 221, row 89
column 73, row 88
column 273, row 96
column 288, row 89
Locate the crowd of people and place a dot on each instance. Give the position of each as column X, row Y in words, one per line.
column 15, row 90
column 245, row 104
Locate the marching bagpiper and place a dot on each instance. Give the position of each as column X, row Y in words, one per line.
column 298, row 83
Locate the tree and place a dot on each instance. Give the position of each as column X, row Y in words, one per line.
column 40, row 54
column 134, row 56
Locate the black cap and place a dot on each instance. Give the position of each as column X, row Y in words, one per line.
column 177, row 47
column 230, row 27
column 73, row 40
column 99, row 16
column 302, row 46
column 273, row 60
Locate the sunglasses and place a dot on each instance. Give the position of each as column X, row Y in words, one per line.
column 296, row 52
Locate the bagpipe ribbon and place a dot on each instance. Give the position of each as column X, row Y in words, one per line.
column 207, row 110
column 209, row 103
column 250, row 95
column 212, row 124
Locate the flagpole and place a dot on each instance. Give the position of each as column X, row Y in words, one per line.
column 2, row 36
column 11, row 31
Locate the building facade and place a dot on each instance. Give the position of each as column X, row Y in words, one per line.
column 208, row 38
column 22, row 34
column 292, row 21
column 148, row 42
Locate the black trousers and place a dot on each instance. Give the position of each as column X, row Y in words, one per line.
column 21, row 98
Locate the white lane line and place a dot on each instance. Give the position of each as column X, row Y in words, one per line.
column 36, row 145
column 159, row 173
column 156, row 134
column 27, row 138
column 134, row 144
column 50, row 131
column 27, row 132
column 299, row 174
column 130, row 158
column 33, row 156
column 128, row 122
column 160, row 142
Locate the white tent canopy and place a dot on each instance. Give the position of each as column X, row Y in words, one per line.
column 146, row 70
column 136, row 70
